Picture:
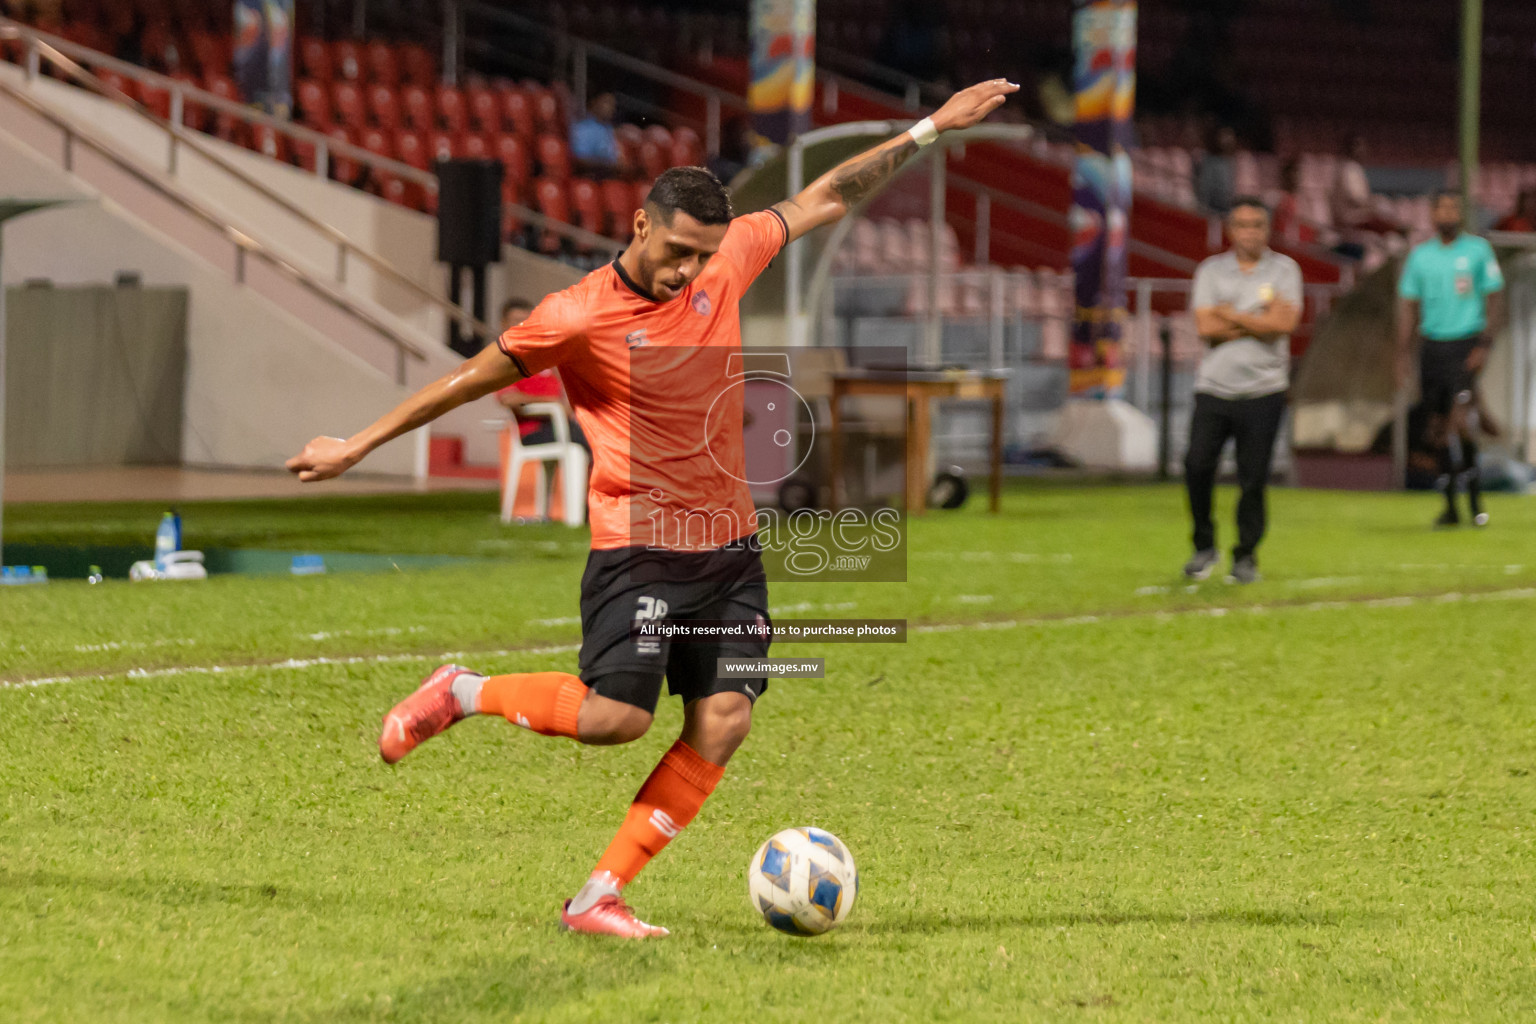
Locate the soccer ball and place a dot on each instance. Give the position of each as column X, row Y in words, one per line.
column 803, row 881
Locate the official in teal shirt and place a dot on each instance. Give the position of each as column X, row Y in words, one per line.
column 1450, row 297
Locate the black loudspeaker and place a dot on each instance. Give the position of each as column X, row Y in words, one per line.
column 469, row 212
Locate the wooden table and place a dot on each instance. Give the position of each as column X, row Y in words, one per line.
column 919, row 388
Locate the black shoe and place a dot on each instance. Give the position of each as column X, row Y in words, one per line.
column 1244, row 570
column 1450, row 517
column 1200, row 564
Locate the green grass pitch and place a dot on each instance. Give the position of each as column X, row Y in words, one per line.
column 1090, row 793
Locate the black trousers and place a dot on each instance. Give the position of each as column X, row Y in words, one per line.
column 1253, row 424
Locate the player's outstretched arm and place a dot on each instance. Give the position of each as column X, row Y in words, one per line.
column 476, row 377
column 832, row 195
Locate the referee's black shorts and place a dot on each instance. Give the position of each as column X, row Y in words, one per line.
column 1443, row 373
column 624, row 585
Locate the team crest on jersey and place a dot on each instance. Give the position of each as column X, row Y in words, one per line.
column 701, row 304
column 634, row 339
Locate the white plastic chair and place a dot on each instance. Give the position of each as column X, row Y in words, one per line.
column 569, row 456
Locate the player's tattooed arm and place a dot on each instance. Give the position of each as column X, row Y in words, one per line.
column 831, row 196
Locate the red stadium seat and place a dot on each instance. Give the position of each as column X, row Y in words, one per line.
column 383, row 106
column 587, row 203
column 451, row 109
column 304, row 154
column 377, row 140
column 315, row 59
column 509, row 149
column 347, row 102
column 658, row 134
column 347, row 60
column 546, row 113
column 687, row 149
column 157, row 99
column 411, row 149
column 629, row 156
column 417, row 104
column 484, row 110
column 443, row 145
column 122, row 83
column 271, row 142
column 620, row 203
column 418, row 64
column 554, row 157
column 343, row 169
column 517, row 113
column 653, row 159
column 314, row 103
column 511, row 224
column 552, row 202
column 211, row 53
column 225, row 126
column 383, row 63
column 475, row 146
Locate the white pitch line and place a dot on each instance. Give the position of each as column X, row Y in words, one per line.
column 1450, row 597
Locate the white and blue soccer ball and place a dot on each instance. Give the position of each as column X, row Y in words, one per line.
column 803, row 881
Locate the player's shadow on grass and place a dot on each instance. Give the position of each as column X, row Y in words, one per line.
column 1255, row 917
column 174, row 892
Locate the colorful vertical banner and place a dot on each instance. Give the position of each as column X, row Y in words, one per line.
column 263, row 58
column 783, row 82
column 1104, row 45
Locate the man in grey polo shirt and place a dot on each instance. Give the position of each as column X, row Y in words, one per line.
column 1247, row 301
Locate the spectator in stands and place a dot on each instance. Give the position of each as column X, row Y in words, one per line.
column 1451, row 296
column 1287, row 223
column 541, row 387
column 740, row 147
column 1216, row 177
column 1351, row 195
column 1523, row 216
column 1247, row 301
column 594, row 146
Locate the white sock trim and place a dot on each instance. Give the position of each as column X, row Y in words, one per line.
column 602, row 883
column 466, row 688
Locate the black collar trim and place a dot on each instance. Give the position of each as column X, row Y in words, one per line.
column 630, row 284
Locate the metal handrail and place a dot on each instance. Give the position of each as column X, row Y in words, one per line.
column 325, row 146
column 243, row 243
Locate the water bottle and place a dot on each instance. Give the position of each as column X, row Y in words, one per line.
column 167, row 538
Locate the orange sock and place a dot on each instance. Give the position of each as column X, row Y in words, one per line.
column 546, row 702
column 664, row 806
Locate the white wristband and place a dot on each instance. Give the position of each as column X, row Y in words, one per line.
column 923, row 132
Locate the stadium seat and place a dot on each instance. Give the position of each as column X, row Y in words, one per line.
column 587, row 203
column 509, row 149
column 314, row 103
column 633, row 134
column 382, row 104
column 546, row 113
column 484, row 109
column 411, row 149
column 304, row 155
column 418, row 65
column 652, row 158
column 444, row 145
column 270, row 142
column 122, row 83
column 157, row 99
column 620, row 204
column 552, row 202
column 315, row 59
column 660, row 135
column 517, row 113
column 451, row 110
column 347, row 103
column 554, row 157
column 211, row 53
column 343, row 169
column 512, row 224
column 383, row 63
column 687, row 149
column 377, row 140
column 629, row 157
column 475, row 146
column 225, row 126
column 347, row 60
column 416, row 104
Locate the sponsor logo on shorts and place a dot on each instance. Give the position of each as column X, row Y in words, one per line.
column 648, row 609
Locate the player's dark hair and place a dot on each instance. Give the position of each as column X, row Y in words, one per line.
column 693, row 190
column 1251, row 201
column 515, row 303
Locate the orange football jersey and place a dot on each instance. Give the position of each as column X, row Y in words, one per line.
column 651, row 385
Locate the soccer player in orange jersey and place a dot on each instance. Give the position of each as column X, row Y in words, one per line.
column 642, row 345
